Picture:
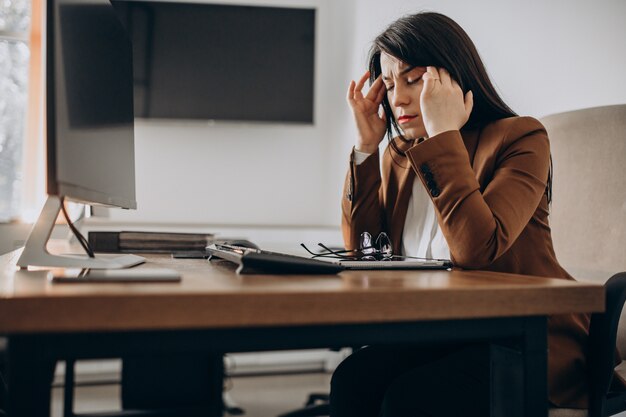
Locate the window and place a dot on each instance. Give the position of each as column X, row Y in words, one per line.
column 14, row 73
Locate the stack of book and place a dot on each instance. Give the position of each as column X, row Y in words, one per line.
column 154, row 242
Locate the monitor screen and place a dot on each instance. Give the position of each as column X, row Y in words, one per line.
column 221, row 62
column 89, row 104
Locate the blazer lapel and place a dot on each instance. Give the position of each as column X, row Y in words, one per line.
column 405, row 175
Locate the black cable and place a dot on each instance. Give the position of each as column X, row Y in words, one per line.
column 340, row 254
column 335, row 252
column 330, row 253
column 81, row 239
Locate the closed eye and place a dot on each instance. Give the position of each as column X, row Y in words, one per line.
column 389, row 87
column 413, row 81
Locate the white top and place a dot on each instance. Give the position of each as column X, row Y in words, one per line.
column 422, row 236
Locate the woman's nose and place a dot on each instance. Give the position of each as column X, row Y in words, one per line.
column 399, row 97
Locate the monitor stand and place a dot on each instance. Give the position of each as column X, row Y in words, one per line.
column 36, row 253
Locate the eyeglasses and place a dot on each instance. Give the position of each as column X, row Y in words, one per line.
column 380, row 250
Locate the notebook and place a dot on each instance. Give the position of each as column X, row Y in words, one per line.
column 406, row 263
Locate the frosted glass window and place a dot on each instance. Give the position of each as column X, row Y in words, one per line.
column 14, row 58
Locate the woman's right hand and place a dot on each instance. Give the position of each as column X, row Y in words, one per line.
column 370, row 124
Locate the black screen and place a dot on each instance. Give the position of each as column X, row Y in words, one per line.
column 207, row 61
column 96, row 88
column 89, row 104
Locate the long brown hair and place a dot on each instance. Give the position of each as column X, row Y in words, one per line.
column 432, row 39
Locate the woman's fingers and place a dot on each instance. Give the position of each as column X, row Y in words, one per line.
column 431, row 74
column 375, row 88
column 444, row 77
column 369, row 122
column 359, row 86
column 372, row 100
column 431, row 78
column 363, row 79
column 381, row 92
column 443, row 104
column 350, row 95
column 354, row 89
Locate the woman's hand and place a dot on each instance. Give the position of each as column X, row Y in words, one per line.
column 370, row 124
column 442, row 103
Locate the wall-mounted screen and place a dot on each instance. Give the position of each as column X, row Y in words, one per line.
column 221, row 62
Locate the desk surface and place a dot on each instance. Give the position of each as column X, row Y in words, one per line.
column 213, row 296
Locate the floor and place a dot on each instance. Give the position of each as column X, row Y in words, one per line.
column 259, row 396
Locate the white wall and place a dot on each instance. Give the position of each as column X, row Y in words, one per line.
column 545, row 57
column 251, row 174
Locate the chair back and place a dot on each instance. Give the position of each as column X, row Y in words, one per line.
column 588, row 221
column 588, row 212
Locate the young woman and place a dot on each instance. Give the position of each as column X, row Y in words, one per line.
column 464, row 178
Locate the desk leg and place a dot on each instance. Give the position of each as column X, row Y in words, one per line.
column 30, row 376
column 535, row 350
column 507, row 380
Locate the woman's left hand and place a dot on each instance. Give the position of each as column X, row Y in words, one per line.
column 442, row 102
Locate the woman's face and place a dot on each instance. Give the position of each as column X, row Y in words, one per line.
column 404, row 85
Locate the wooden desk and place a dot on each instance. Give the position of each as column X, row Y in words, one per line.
column 215, row 310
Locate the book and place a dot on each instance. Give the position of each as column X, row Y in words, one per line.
column 131, row 241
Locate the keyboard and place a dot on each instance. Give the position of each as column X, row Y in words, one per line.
column 258, row 261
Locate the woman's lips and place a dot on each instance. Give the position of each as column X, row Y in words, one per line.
column 406, row 119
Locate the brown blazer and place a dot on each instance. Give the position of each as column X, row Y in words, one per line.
column 488, row 187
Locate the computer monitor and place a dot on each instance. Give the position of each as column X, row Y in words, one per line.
column 89, row 122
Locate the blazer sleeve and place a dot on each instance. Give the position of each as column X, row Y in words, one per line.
column 361, row 205
column 480, row 226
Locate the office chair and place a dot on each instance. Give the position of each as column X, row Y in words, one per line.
column 589, row 149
